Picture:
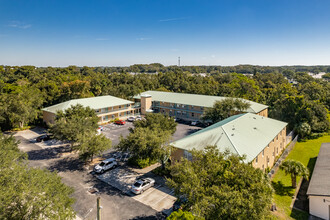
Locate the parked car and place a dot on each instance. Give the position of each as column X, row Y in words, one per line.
column 99, row 129
column 142, row 185
column 41, row 138
column 105, row 165
column 131, row 119
column 120, row 122
column 138, row 118
column 195, row 123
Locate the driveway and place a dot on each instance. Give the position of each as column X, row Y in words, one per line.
column 113, row 131
column 159, row 197
column 183, row 130
column 116, row 205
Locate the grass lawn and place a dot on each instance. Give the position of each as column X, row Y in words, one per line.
column 306, row 153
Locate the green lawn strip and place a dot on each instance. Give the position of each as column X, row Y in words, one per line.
column 306, row 153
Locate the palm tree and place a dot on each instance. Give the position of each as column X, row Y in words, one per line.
column 295, row 168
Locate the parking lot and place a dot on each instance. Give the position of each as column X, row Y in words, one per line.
column 159, row 197
column 113, row 131
column 114, row 187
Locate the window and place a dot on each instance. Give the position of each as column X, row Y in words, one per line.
column 187, row 155
column 268, row 145
column 257, row 159
column 192, row 114
column 267, row 159
column 263, row 152
column 263, row 167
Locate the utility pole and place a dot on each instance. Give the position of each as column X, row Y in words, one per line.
column 179, row 61
column 98, row 208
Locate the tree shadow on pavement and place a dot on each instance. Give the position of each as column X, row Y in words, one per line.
column 158, row 216
column 47, row 153
column 67, row 164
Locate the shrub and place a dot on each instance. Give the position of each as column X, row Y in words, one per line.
column 140, row 163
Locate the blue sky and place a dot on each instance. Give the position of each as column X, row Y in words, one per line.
column 126, row 32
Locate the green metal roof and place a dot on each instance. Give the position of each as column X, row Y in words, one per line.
column 196, row 100
column 244, row 134
column 93, row 102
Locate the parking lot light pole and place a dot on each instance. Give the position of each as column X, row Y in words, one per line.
column 98, row 208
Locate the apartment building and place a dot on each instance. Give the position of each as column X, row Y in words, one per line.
column 260, row 138
column 107, row 108
column 186, row 106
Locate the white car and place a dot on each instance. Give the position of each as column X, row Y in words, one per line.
column 138, row 118
column 105, row 165
column 131, row 119
column 194, row 122
column 142, row 185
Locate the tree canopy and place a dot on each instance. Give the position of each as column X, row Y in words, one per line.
column 27, row 89
column 221, row 186
column 30, row 193
column 294, row 169
column 73, row 123
column 224, row 109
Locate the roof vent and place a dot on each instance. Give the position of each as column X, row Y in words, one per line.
column 254, row 118
column 232, row 134
column 255, row 128
column 233, row 129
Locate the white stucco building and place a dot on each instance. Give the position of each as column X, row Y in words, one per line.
column 319, row 186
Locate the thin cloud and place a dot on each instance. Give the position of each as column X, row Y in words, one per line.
column 20, row 25
column 144, row 38
column 173, row 19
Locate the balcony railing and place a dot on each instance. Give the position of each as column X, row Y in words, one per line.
column 109, row 111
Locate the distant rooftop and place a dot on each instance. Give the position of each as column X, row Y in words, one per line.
column 244, row 134
column 93, row 102
column 320, row 181
column 196, row 100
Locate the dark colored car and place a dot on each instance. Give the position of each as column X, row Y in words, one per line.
column 120, row 122
column 41, row 138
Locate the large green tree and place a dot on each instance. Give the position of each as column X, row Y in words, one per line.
column 19, row 105
column 90, row 145
column 224, row 109
column 221, row 186
column 146, row 143
column 74, row 123
column 157, row 121
column 30, row 193
column 181, row 215
column 294, row 169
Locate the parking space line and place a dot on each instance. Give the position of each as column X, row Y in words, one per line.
column 167, row 194
column 145, row 194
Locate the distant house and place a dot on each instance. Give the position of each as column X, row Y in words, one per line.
column 186, row 106
column 260, row 138
column 107, row 108
column 319, row 186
